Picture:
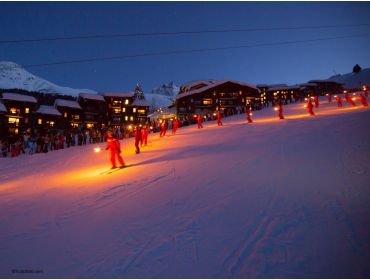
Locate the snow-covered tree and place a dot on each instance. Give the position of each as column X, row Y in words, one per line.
column 138, row 93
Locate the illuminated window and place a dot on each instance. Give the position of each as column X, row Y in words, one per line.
column 134, row 110
column 13, row 120
column 27, row 110
column 13, row 110
column 65, row 114
column 141, row 111
column 126, row 118
column 131, row 118
column 51, row 123
column 126, row 101
column 76, row 117
column 116, row 111
column 124, row 110
column 89, row 125
column 207, row 101
column 39, row 121
column 74, row 124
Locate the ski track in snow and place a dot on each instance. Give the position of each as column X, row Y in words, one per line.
column 274, row 199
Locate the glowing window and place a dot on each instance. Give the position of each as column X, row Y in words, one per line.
column 124, row 110
column 13, row 120
column 126, row 118
column 27, row 110
column 141, row 111
column 116, row 111
column 207, row 101
column 39, row 121
column 13, row 110
column 131, row 118
column 134, row 110
column 65, row 114
column 89, row 125
column 126, row 101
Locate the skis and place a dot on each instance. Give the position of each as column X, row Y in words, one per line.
column 110, row 171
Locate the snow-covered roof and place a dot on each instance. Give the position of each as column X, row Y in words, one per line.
column 48, row 110
column 19, row 97
column 271, row 86
column 67, row 103
column 284, row 88
column 212, row 85
column 117, row 94
column 91, row 96
column 138, row 103
column 308, row 85
column 2, row 107
column 324, row 81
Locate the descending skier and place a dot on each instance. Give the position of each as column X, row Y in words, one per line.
column 175, row 125
column 280, row 112
column 351, row 100
column 309, row 107
column 249, row 114
column 144, row 136
column 316, row 101
column 339, row 101
column 138, row 139
column 163, row 129
column 219, row 117
column 115, row 151
column 199, row 120
column 363, row 100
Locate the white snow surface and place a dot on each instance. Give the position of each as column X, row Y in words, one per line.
column 273, row 199
column 352, row 80
column 157, row 101
column 48, row 110
column 14, row 76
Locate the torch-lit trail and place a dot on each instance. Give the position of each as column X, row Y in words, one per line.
column 275, row 198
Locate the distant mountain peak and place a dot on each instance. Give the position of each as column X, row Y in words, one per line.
column 14, row 76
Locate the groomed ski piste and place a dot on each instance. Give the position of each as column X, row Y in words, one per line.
column 272, row 199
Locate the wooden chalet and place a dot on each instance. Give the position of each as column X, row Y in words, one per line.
column 140, row 110
column 119, row 109
column 3, row 126
column 324, row 87
column 46, row 118
column 206, row 97
column 19, row 108
column 94, row 110
column 71, row 113
column 284, row 94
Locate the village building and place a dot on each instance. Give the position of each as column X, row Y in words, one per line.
column 46, row 118
column 71, row 113
column 3, row 127
column 19, row 110
column 283, row 94
column 94, row 110
column 324, row 87
column 207, row 97
column 119, row 110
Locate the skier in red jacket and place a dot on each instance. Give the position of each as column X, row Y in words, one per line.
column 249, row 114
column 219, row 117
column 329, row 97
column 309, row 107
column 280, row 111
column 163, row 129
column 175, row 125
column 363, row 100
column 316, row 101
column 138, row 139
column 351, row 100
column 144, row 136
column 115, row 151
column 339, row 101
column 199, row 120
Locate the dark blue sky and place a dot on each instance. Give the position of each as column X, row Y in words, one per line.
column 278, row 64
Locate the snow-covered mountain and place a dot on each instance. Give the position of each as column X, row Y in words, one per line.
column 13, row 76
column 353, row 80
column 169, row 89
column 162, row 96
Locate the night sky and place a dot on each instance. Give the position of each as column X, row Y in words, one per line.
column 274, row 64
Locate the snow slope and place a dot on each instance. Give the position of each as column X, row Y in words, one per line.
column 14, row 76
column 273, row 199
column 352, row 80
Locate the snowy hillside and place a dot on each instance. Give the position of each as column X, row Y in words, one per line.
column 13, row 76
column 352, row 80
column 273, row 199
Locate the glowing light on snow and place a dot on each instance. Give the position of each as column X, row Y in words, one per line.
column 97, row 150
column 129, row 127
column 353, row 98
column 276, row 108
